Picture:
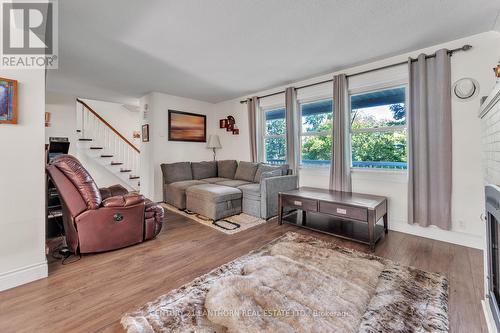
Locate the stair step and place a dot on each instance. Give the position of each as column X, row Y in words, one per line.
column 107, row 155
column 96, row 148
column 134, row 177
column 116, row 163
column 83, row 139
column 125, row 170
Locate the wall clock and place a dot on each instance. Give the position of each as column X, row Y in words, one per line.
column 465, row 88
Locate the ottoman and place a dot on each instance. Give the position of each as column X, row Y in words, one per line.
column 213, row 201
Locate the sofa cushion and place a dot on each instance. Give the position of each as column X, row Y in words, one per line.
column 175, row 172
column 203, row 170
column 175, row 193
column 246, row 171
column 226, row 168
column 265, row 168
column 233, row 183
column 214, row 180
column 213, row 193
column 250, row 191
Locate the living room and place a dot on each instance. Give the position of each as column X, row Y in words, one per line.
column 343, row 149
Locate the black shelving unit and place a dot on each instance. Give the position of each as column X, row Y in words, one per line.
column 54, row 226
column 54, row 221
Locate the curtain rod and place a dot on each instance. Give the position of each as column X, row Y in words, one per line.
column 466, row 47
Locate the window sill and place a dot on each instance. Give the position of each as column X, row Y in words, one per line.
column 312, row 167
column 379, row 171
column 359, row 170
column 360, row 174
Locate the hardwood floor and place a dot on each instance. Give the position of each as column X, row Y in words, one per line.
column 92, row 294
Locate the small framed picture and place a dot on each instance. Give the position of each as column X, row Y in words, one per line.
column 145, row 133
column 8, row 101
column 47, row 119
column 223, row 123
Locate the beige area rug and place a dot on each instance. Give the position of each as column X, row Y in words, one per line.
column 244, row 221
column 298, row 283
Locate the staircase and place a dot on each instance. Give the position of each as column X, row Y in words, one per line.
column 108, row 147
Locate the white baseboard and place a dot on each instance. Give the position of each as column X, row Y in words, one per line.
column 23, row 275
column 453, row 237
column 490, row 322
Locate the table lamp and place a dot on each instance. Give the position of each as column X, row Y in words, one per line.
column 214, row 143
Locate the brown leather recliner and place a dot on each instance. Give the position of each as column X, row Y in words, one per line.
column 97, row 220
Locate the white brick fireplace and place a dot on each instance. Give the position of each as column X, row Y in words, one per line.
column 490, row 129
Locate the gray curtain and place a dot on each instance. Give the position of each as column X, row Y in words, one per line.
column 252, row 104
column 340, row 169
column 292, row 134
column 429, row 141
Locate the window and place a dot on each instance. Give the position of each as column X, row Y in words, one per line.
column 378, row 129
column 275, row 135
column 316, row 133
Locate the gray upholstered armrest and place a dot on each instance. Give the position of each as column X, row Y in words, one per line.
column 269, row 189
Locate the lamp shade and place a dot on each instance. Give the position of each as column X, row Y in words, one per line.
column 213, row 141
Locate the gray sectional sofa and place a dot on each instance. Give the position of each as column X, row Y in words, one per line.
column 218, row 189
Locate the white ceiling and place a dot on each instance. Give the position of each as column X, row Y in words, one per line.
column 215, row 50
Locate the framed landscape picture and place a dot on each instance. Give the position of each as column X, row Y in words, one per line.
column 185, row 126
column 8, row 101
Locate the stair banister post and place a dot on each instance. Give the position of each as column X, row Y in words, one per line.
column 83, row 120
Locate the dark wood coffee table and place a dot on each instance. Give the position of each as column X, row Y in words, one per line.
column 347, row 215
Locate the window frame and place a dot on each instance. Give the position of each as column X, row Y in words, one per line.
column 310, row 134
column 384, row 129
column 263, row 111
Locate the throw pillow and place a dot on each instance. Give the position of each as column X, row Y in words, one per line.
column 246, row 171
column 176, row 172
column 202, row 170
column 265, row 168
column 226, row 168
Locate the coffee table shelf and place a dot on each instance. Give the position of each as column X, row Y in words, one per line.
column 346, row 229
column 348, row 215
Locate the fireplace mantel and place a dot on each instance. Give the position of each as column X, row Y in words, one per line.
column 491, row 102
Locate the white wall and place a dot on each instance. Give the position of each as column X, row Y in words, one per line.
column 62, row 117
column 122, row 119
column 22, row 184
column 159, row 150
column 467, row 196
column 233, row 146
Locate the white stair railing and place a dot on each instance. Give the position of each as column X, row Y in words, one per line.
column 109, row 141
